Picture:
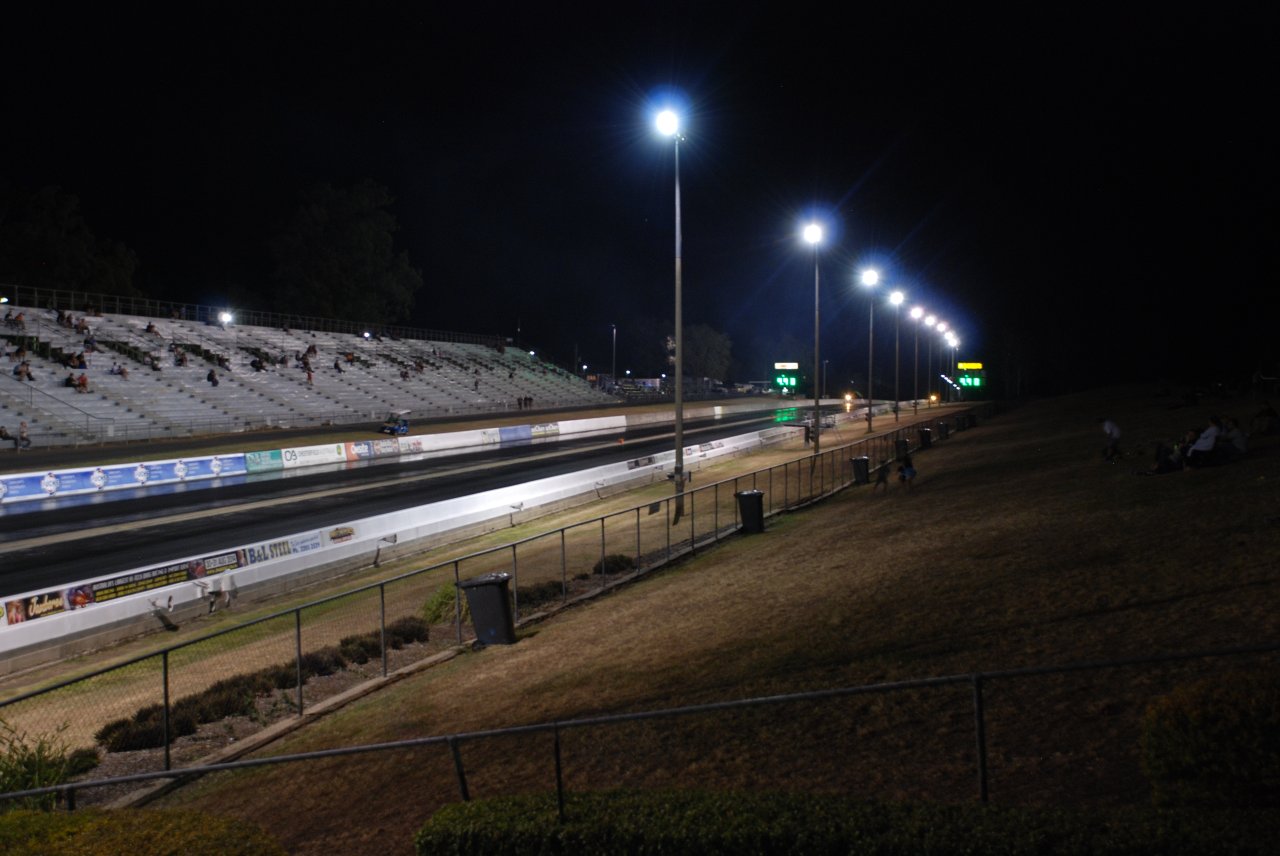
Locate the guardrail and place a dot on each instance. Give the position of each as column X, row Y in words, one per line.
column 575, row 560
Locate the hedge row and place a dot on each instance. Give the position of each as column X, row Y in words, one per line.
column 1215, row 742
column 235, row 696
column 93, row 832
column 733, row 824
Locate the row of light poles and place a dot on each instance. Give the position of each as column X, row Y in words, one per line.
column 668, row 124
column 870, row 278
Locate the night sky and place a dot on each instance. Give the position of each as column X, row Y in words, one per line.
column 1087, row 195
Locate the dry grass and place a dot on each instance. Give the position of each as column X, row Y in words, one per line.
column 1017, row 547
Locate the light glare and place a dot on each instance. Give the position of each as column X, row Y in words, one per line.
column 813, row 233
column 668, row 123
column 870, row 276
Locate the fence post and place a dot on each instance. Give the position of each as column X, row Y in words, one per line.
column 602, row 567
column 515, row 583
column 715, row 512
column 564, row 568
column 457, row 765
column 297, row 645
column 639, row 549
column 382, row 623
column 666, row 524
column 980, row 733
column 693, row 524
column 559, row 776
column 164, row 672
column 457, row 601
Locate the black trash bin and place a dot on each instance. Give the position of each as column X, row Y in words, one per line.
column 900, row 448
column 751, row 507
column 862, row 470
column 926, row 438
column 490, row 604
column 944, row 430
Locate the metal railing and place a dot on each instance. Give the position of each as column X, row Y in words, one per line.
column 976, row 682
column 90, row 303
column 578, row 559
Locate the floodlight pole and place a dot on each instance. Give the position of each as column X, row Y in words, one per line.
column 678, row 470
column 817, row 366
column 871, row 348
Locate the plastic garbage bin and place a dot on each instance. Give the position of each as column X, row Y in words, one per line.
column 862, row 470
column 900, row 448
column 490, row 604
column 944, row 430
column 751, row 507
column 926, row 438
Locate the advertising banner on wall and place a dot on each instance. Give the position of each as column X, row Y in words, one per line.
column 263, row 462
column 360, row 450
column 310, row 456
column 29, row 486
column 83, row 595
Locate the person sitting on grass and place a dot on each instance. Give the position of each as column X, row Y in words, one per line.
column 1204, row 451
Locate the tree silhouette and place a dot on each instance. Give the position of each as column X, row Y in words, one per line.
column 336, row 258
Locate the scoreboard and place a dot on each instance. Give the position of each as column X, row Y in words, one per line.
column 785, row 377
column 971, row 376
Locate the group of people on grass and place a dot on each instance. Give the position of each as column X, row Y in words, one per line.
column 1221, row 441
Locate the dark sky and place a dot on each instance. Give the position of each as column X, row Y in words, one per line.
column 1085, row 194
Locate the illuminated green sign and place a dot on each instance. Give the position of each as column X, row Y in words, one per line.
column 785, row 376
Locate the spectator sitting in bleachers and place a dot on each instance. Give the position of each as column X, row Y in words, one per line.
column 70, row 381
column 212, row 377
column 82, row 383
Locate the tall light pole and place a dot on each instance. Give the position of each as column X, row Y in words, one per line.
column 613, row 367
column 869, row 278
column 813, row 235
column 896, row 299
column 942, row 331
column 669, row 126
column 930, row 321
column 917, row 312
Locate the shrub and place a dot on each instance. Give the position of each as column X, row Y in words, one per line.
column 439, row 608
column 786, row 824
column 93, row 832
column 614, row 563
column 1215, row 743
column 406, row 630
column 82, row 760
column 323, row 661
column 282, row 677
column 541, row 593
column 360, row 649
column 31, row 761
column 220, row 701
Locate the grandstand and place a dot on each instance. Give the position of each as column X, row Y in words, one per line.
column 168, row 351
